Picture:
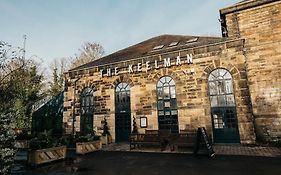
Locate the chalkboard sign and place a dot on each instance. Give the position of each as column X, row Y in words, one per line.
column 202, row 137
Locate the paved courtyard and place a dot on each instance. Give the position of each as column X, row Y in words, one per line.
column 116, row 159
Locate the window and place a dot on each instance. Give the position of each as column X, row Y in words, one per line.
column 167, row 104
column 173, row 44
column 86, row 111
column 191, row 40
column 122, row 95
column 158, row 47
column 221, row 88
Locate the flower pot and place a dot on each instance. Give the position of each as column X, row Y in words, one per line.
column 87, row 147
column 22, row 144
column 36, row 157
column 104, row 139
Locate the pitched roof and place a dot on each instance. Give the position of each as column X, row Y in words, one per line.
column 155, row 45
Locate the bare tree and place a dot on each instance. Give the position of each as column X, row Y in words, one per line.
column 11, row 59
column 89, row 51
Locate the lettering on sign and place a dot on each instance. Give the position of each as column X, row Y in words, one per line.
column 147, row 66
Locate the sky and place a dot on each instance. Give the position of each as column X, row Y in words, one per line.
column 58, row 28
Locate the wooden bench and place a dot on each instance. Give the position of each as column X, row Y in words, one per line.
column 142, row 140
column 185, row 139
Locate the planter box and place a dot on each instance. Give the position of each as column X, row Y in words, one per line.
column 87, row 147
column 36, row 157
column 22, row 144
column 106, row 139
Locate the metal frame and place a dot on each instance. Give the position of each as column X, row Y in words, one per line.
column 86, row 110
column 122, row 111
column 222, row 99
column 167, row 104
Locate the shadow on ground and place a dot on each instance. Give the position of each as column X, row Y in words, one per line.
column 136, row 163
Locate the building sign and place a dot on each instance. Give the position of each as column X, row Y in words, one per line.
column 148, row 65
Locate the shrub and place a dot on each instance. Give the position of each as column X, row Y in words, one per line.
column 7, row 143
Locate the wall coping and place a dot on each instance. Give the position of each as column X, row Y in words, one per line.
column 244, row 5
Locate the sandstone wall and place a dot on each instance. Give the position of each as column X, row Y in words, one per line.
column 260, row 26
column 191, row 90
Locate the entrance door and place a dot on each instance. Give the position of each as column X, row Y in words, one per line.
column 123, row 112
column 224, row 118
column 225, row 127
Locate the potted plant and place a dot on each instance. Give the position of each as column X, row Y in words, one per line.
column 106, row 137
column 88, row 143
column 23, row 139
column 45, row 148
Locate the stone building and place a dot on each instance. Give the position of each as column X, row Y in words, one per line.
column 231, row 85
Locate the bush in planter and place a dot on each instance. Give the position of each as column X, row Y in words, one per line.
column 46, row 140
column 24, row 135
column 87, row 138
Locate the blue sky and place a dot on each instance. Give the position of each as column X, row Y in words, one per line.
column 57, row 28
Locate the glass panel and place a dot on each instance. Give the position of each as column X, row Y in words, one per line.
column 227, row 76
column 230, row 119
column 173, row 103
column 117, row 89
column 166, row 92
column 222, row 72
column 228, row 87
column 160, row 112
column 213, row 88
column 172, row 83
column 167, row 79
column 127, row 87
column 221, row 88
column 214, row 101
column 215, row 73
column 160, row 105
column 159, row 84
column 221, row 100
column 160, row 93
column 218, row 122
column 173, row 92
column 167, row 113
column 167, row 104
column 162, row 80
column 174, row 112
column 230, row 100
column 211, row 77
column 87, row 102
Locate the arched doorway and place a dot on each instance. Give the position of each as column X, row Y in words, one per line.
column 223, row 108
column 167, row 104
column 122, row 112
column 86, row 111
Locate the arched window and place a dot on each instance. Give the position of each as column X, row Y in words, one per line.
column 221, row 88
column 167, row 104
column 86, row 111
column 122, row 112
column 224, row 119
column 122, row 96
